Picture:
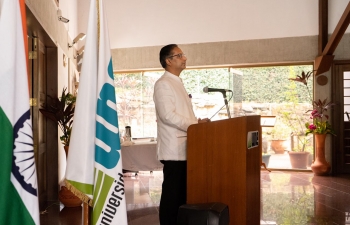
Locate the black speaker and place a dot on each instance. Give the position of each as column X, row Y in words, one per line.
column 213, row 213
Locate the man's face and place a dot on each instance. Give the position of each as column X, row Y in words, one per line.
column 177, row 61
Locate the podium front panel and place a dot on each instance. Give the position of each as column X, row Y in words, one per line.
column 220, row 167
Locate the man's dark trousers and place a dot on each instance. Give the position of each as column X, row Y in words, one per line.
column 173, row 191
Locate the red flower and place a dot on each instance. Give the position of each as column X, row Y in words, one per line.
column 312, row 127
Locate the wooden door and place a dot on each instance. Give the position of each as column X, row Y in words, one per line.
column 38, row 89
column 341, row 121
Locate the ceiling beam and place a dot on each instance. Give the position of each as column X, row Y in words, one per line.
column 322, row 25
column 324, row 62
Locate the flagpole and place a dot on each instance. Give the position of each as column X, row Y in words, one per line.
column 87, row 209
column 87, row 214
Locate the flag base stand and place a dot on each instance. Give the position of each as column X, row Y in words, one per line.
column 87, row 214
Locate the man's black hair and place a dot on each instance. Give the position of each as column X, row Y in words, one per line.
column 165, row 52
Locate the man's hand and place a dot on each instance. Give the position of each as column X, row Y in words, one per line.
column 203, row 120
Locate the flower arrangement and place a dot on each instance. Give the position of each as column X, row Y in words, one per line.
column 320, row 123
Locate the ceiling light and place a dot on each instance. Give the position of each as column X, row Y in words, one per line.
column 61, row 18
column 80, row 37
column 79, row 52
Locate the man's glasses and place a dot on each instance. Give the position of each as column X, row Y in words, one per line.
column 180, row 55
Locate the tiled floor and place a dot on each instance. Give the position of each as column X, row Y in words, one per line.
column 293, row 198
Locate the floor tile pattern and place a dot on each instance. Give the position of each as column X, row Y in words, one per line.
column 288, row 198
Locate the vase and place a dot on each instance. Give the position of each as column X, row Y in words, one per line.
column 278, row 146
column 320, row 166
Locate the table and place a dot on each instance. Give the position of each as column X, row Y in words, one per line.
column 141, row 156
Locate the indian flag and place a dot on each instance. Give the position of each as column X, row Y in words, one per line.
column 94, row 166
column 18, row 182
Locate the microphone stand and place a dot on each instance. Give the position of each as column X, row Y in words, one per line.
column 226, row 103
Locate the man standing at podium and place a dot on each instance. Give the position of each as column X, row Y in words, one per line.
column 174, row 115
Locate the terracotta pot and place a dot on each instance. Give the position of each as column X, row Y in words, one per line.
column 299, row 160
column 67, row 198
column 278, row 146
column 320, row 166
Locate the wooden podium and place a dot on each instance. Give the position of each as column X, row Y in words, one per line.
column 221, row 167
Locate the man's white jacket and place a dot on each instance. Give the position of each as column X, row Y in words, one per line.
column 174, row 115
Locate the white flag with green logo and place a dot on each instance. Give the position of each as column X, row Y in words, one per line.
column 18, row 181
column 94, row 167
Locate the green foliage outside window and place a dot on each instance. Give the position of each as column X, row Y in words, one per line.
column 264, row 85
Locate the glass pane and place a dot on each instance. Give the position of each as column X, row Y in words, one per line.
column 347, row 108
column 346, row 75
column 346, row 91
column 128, row 93
column 148, row 118
column 346, row 83
column 346, row 112
column 286, row 99
column 347, row 100
column 208, row 105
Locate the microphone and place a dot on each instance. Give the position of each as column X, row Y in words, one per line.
column 207, row 89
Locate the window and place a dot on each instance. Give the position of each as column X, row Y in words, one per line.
column 257, row 90
column 135, row 104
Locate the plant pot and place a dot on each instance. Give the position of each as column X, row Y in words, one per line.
column 67, row 198
column 266, row 159
column 278, row 146
column 299, row 160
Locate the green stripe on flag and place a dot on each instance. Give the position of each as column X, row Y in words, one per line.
column 6, row 143
column 12, row 209
column 107, row 182
column 85, row 188
column 99, row 175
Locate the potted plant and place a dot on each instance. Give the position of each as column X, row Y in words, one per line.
column 295, row 115
column 300, row 144
column 320, row 127
column 279, row 135
column 61, row 110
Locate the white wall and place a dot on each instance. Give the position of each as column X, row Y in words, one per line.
column 69, row 10
column 135, row 23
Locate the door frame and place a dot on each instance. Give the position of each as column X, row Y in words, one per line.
column 338, row 154
column 48, row 169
